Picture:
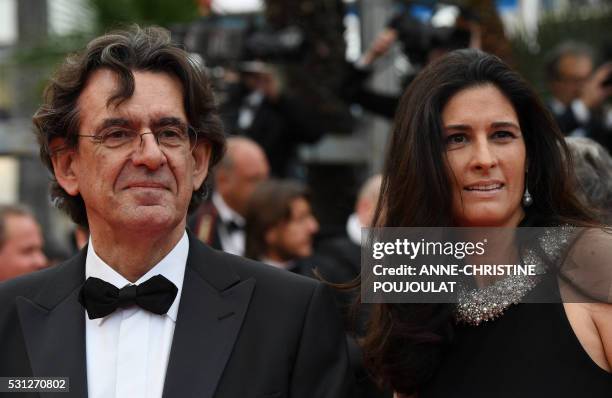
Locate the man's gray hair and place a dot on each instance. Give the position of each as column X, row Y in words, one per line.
column 123, row 52
column 566, row 48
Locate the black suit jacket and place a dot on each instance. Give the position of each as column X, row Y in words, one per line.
column 278, row 127
column 243, row 330
column 205, row 223
column 594, row 127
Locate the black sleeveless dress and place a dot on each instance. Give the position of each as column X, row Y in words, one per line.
column 530, row 351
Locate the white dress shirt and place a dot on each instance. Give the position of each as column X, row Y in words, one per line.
column 353, row 229
column 230, row 242
column 277, row 264
column 127, row 351
column 580, row 111
column 248, row 109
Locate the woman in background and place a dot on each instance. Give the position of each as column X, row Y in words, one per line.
column 473, row 146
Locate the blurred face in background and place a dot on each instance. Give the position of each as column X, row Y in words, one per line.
column 237, row 181
column 292, row 239
column 486, row 158
column 573, row 71
column 22, row 251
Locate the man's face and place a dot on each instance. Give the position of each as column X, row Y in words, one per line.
column 292, row 239
column 573, row 71
column 142, row 187
column 22, row 251
column 237, row 183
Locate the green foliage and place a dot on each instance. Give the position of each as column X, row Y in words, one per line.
column 43, row 57
column 591, row 27
column 52, row 50
column 112, row 13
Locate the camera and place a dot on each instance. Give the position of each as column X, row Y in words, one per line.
column 228, row 40
column 422, row 27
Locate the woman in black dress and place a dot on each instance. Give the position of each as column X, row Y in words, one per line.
column 473, row 146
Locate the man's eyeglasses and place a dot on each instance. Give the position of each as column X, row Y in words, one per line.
column 168, row 137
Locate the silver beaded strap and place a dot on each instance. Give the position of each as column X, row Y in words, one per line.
column 487, row 304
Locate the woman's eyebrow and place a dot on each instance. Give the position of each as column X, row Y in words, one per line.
column 505, row 125
column 466, row 127
column 462, row 127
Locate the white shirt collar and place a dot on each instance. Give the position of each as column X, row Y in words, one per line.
column 353, row 229
column 581, row 112
column 225, row 212
column 172, row 266
column 557, row 106
column 277, row 264
column 255, row 98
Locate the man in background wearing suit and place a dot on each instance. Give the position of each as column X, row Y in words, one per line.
column 220, row 221
column 579, row 92
column 338, row 260
column 129, row 130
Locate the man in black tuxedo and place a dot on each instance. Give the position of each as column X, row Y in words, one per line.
column 338, row 260
column 259, row 108
column 579, row 93
column 129, row 131
column 219, row 222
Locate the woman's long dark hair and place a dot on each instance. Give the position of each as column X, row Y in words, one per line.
column 404, row 342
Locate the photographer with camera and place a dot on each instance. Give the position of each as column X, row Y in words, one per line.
column 258, row 107
column 579, row 93
column 449, row 27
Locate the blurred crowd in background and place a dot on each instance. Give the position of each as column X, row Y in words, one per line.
column 307, row 90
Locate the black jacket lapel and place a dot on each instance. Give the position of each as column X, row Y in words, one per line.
column 53, row 324
column 213, row 304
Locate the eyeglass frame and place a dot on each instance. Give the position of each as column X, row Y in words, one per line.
column 96, row 138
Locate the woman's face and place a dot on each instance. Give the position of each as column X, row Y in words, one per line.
column 486, row 158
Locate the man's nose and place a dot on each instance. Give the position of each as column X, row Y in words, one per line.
column 40, row 260
column 314, row 225
column 148, row 153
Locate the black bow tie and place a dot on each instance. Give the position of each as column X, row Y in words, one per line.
column 232, row 226
column 100, row 298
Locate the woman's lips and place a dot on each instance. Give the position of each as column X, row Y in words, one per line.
column 484, row 190
column 484, row 187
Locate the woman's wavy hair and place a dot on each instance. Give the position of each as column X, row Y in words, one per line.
column 405, row 342
column 123, row 52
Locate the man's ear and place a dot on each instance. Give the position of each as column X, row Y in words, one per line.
column 201, row 157
column 64, row 165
